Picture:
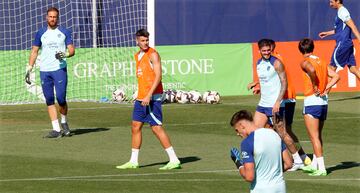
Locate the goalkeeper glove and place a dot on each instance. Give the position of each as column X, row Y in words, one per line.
column 27, row 75
column 235, row 156
column 60, row 55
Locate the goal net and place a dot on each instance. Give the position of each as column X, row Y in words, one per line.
column 103, row 34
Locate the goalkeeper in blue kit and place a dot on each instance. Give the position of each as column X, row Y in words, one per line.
column 54, row 41
column 265, row 168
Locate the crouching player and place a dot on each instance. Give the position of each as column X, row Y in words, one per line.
column 265, row 168
column 316, row 88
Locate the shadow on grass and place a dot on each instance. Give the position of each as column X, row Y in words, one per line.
column 343, row 166
column 183, row 160
column 347, row 98
column 87, row 130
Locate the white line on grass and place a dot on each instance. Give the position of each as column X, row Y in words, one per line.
column 108, row 178
column 174, row 180
column 115, row 175
column 175, row 125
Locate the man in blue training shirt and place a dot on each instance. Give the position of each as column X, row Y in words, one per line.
column 53, row 40
column 344, row 53
column 264, row 169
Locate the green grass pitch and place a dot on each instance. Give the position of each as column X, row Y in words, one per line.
column 201, row 136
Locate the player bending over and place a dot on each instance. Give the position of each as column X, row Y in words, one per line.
column 264, row 169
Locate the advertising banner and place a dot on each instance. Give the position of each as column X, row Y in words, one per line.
column 225, row 68
column 94, row 73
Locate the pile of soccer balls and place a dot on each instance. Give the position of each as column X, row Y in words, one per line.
column 173, row 96
column 193, row 96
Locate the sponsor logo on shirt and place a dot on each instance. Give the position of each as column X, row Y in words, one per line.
column 244, row 155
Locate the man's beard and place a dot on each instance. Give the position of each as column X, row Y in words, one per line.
column 52, row 24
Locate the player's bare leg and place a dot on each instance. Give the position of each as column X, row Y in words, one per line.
column 136, row 140
column 164, row 139
column 314, row 127
column 279, row 127
column 260, row 119
column 136, row 134
column 299, row 148
column 56, row 131
column 162, row 136
column 52, row 112
column 355, row 71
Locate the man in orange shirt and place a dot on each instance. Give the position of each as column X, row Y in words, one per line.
column 147, row 107
column 316, row 87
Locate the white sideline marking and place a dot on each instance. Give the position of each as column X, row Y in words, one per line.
column 174, row 124
column 114, row 175
column 100, row 177
column 173, row 180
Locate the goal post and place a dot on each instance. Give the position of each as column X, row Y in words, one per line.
column 103, row 33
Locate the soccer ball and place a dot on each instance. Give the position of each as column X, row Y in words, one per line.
column 182, row 97
column 135, row 95
column 169, row 96
column 119, row 95
column 213, row 97
column 178, row 95
column 195, row 96
column 205, row 95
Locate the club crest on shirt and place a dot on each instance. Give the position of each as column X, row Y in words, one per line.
column 59, row 35
column 139, row 72
column 268, row 68
column 244, row 155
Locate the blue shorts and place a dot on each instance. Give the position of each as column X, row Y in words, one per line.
column 57, row 79
column 343, row 56
column 287, row 111
column 151, row 114
column 265, row 110
column 316, row 111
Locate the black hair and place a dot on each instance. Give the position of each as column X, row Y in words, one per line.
column 272, row 43
column 264, row 42
column 142, row 32
column 241, row 115
column 306, row 46
column 340, row 1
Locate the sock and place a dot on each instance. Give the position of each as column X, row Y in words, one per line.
column 314, row 162
column 134, row 156
column 297, row 158
column 171, row 153
column 63, row 118
column 321, row 164
column 55, row 125
column 303, row 157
